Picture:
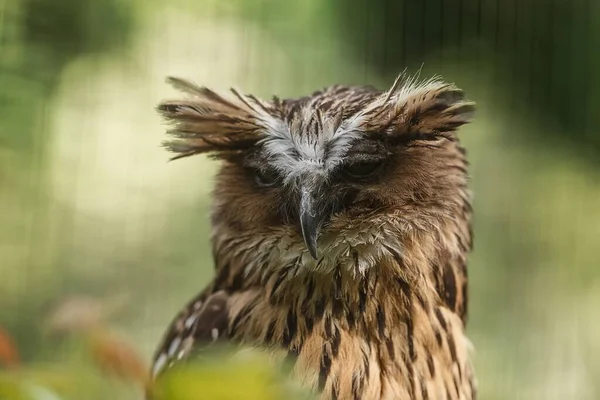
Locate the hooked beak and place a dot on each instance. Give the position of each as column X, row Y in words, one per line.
column 311, row 219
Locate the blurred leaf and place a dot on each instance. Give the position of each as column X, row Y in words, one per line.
column 52, row 378
column 15, row 388
column 117, row 356
column 11, row 389
column 82, row 313
column 37, row 392
column 9, row 355
column 70, row 379
column 246, row 381
column 76, row 314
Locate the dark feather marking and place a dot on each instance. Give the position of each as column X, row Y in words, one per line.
column 430, row 365
column 456, row 388
column 338, row 308
column 460, row 168
column 461, row 243
column 452, row 347
column 324, row 369
column 366, row 359
column 308, row 294
column 291, row 327
column 310, row 289
column 350, row 317
column 213, row 315
column 336, row 340
column 319, row 263
column 356, row 386
column 270, row 332
column 424, row 392
column 450, row 287
column 394, row 254
column 406, row 291
column 260, row 104
column 467, row 208
column 335, row 388
column 168, row 108
column 276, row 102
column 278, row 281
column 319, row 308
column 411, row 377
column 327, row 326
column 355, row 259
column 404, row 286
column 362, row 300
column 338, row 304
column 471, row 237
column 465, row 301
column 242, row 314
column 338, row 280
column 447, row 392
column 410, row 339
column 221, row 277
column 242, row 99
column 390, row 348
column 380, row 321
column 310, row 323
column 216, row 97
column 440, row 317
column 237, row 284
column 438, row 337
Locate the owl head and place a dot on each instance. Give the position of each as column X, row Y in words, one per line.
column 330, row 173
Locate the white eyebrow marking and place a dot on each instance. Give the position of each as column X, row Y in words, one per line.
column 295, row 153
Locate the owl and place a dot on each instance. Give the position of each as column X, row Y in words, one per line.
column 341, row 226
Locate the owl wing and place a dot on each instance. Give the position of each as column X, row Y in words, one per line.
column 202, row 322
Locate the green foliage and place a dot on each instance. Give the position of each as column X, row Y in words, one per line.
column 69, row 28
column 250, row 377
column 544, row 53
column 39, row 38
column 97, row 366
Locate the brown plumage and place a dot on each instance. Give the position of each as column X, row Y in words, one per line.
column 341, row 227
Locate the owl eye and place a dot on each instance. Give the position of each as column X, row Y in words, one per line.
column 265, row 178
column 363, row 169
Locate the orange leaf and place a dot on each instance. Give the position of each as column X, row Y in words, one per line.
column 116, row 356
column 9, row 356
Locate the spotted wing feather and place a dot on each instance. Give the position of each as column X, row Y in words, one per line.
column 203, row 322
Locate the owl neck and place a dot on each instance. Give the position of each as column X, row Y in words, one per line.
column 391, row 275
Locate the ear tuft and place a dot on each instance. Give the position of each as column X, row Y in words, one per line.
column 431, row 107
column 435, row 108
column 208, row 122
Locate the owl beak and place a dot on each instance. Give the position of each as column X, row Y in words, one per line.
column 310, row 221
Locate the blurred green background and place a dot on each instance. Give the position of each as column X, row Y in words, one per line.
column 98, row 230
